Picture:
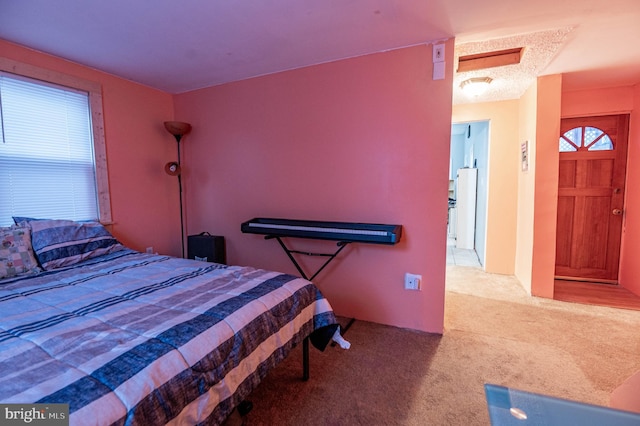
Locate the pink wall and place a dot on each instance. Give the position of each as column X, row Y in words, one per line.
column 359, row 140
column 144, row 200
column 546, row 184
column 618, row 100
column 629, row 265
column 612, row 100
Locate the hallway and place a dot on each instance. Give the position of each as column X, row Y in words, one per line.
column 461, row 257
column 574, row 292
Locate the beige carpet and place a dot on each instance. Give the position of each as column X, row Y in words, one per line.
column 494, row 333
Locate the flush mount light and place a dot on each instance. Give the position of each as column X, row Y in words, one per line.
column 476, row 86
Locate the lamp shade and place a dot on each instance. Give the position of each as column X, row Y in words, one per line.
column 177, row 128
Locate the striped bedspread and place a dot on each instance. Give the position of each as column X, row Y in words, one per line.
column 141, row 339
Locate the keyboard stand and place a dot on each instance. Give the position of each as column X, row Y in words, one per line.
column 290, row 253
column 331, row 256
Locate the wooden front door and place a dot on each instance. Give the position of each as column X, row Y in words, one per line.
column 593, row 158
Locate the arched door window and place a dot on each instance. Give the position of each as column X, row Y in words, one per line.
column 585, row 139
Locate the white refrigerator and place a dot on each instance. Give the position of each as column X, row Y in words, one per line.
column 466, row 208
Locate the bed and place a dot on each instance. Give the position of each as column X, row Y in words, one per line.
column 125, row 337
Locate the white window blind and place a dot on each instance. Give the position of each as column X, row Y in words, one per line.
column 47, row 167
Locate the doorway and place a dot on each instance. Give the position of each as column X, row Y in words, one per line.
column 468, row 197
column 591, row 188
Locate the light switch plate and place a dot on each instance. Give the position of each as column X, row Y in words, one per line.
column 438, row 53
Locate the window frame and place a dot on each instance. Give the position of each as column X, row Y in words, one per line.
column 583, row 146
column 94, row 90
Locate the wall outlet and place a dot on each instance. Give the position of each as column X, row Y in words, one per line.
column 412, row 281
column 150, row 250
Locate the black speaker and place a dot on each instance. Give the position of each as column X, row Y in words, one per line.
column 207, row 247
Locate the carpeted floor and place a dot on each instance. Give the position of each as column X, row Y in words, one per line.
column 494, row 333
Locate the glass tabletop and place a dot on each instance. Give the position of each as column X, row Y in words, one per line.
column 514, row 407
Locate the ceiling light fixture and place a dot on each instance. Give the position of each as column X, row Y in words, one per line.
column 476, row 86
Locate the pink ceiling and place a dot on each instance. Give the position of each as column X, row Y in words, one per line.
column 177, row 46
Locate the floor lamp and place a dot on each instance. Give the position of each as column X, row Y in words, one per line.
column 178, row 130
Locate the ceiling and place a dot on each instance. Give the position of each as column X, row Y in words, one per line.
column 178, row 46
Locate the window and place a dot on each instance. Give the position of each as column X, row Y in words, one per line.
column 585, row 139
column 52, row 162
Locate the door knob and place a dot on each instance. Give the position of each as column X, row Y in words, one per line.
column 617, row 212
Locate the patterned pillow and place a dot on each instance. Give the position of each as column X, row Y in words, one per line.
column 59, row 243
column 16, row 254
